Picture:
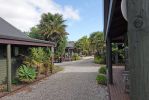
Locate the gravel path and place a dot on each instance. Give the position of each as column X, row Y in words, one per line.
column 76, row 82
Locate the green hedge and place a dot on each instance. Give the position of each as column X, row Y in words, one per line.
column 101, row 79
column 99, row 59
column 103, row 70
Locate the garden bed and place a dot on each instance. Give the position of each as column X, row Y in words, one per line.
column 24, row 86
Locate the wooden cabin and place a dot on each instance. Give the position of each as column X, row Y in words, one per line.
column 13, row 42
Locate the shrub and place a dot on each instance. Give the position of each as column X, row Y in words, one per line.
column 103, row 70
column 96, row 59
column 39, row 57
column 42, row 69
column 15, row 81
column 76, row 57
column 26, row 74
column 101, row 79
column 99, row 59
column 46, row 68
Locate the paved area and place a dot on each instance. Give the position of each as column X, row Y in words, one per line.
column 76, row 82
column 117, row 91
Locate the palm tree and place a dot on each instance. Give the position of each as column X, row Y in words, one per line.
column 52, row 26
column 96, row 41
column 82, row 45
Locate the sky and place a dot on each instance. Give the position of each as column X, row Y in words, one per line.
column 83, row 16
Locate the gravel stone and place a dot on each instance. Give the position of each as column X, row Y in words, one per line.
column 76, row 82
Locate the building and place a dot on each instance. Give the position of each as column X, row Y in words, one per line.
column 69, row 51
column 127, row 21
column 12, row 43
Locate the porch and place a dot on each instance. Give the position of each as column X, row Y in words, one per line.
column 14, row 43
column 127, row 21
column 117, row 89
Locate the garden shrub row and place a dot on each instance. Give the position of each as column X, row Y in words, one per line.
column 101, row 77
column 36, row 63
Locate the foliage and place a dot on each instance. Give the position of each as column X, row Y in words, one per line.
column 101, row 79
column 16, row 81
column 61, row 45
column 26, row 74
column 52, row 26
column 96, row 59
column 39, row 58
column 83, row 45
column 99, row 59
column 76, row 57
column 35, row 33
column 103, row 70
column 47, row 54
column 97, row 43
column 118, row 51
column 37, row 54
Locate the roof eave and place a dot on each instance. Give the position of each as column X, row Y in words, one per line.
column 110, row 15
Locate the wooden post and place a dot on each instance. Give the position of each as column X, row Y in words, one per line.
column 138, row 42
column 109, row 60
column 69, row 54
column 52, row 50
column 9, row 67
column 116, row 56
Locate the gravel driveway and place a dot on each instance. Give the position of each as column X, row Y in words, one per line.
column 76, row 82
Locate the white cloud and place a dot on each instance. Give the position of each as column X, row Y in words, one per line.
column 71, row 13
column 26, row 13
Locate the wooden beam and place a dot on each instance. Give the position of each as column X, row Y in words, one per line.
column 9, row 67
column 138, row 48
column 106, row 12
column 120, row 23
column 109, row 60
column 110, row 16
column 18, row 42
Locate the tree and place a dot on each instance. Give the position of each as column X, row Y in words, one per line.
column 52, row 26
column 61, row 45
column 97, row 41
column 83, row 45
column 35, row 33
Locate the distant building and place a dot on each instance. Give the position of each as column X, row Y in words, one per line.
column 69, row 51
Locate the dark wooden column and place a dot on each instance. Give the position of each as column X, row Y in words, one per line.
column 9, row 67
column 138, row 40
column 109, row 60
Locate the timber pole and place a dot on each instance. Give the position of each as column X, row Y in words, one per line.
column 109, row 61
column 52, row 50
column 138, row 43
column 9, row 67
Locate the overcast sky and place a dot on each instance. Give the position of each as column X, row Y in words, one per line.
column 83, row 16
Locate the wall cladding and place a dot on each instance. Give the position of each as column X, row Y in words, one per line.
column 3, row 70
